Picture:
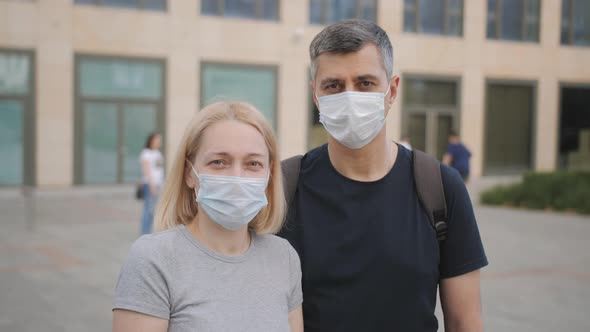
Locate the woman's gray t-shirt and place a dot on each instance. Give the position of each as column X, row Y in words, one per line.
column 171, row 275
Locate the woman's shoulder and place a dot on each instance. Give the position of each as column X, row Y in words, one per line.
column 160, row 245
column 273, row 243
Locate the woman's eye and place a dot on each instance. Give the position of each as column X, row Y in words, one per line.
column 255, row 164
column 218, row 162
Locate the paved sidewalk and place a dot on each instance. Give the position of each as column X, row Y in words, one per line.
column 58, row 273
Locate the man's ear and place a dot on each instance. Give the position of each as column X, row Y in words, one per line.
column 393, row 86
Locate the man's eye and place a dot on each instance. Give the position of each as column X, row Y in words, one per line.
column 332, row 86
column 367, row 84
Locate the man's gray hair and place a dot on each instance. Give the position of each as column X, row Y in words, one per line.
column 350, row 36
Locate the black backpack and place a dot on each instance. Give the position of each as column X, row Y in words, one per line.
column 427, row 180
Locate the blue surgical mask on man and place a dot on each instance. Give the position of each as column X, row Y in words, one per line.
column 231, row 201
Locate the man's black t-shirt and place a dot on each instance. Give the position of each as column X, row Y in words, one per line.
column 370, row 258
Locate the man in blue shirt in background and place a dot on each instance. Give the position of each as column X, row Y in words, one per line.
column 457, row 156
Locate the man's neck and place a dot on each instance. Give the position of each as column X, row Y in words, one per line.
column 217, row 238
column 369, row 163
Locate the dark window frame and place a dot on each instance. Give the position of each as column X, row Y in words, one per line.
column 258, row 10
column 562, row 86
column 525, row 20
column 326, row 8
column 447, row 14
column 140, row 5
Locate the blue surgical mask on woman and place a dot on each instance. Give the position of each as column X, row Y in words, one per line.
column 231, row 201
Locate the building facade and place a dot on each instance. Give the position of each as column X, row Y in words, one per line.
column 82, row 82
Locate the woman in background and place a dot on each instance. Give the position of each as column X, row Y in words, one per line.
column 152, row 170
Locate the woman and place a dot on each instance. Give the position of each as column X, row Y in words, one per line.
column 214, row 265
column 152, row 169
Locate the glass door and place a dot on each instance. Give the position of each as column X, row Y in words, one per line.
column 11, row 142
column 139, row 121
column 101, row 138
column 429, row 130
column 114, row 135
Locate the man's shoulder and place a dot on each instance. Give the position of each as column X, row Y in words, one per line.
column 312, row 156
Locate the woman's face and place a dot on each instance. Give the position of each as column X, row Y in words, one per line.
column 233, row 148
column 156, row 142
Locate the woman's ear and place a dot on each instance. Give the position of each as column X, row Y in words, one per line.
column 189, row 177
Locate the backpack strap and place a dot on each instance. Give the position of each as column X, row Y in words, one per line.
column 291, row 167
column 429, row 187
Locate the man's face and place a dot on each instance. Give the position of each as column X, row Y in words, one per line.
column 361, row 71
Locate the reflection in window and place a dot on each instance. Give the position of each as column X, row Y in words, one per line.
column 434, row 17
column 139, row 4
column 254, row 84
column 575, row 22
column 513, row 20
column 330, row 11
column 256, row 9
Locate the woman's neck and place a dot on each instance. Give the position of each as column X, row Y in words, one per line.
column 219, row 239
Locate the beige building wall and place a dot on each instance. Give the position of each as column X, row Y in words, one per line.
column 57, row 30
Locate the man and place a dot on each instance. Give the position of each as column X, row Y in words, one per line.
column 370, row 258
column 457, row 156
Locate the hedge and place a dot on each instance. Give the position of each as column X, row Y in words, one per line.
column 560, row 191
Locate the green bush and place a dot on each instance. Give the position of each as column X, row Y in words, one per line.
column 561, row 191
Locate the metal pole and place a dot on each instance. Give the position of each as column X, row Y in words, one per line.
column 29, row 207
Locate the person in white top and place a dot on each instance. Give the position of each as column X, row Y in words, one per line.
column 152, row 169
column 405, row 142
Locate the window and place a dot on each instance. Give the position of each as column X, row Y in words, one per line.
column 256, row 9
column 254, row 84
column 508, row 128
column 330, row 11
column 440, row 17
column 575, row 22
column 513, row 20
column 138, row 4
column 16, row 119
column 119, row 102
column 574, row 133
column 430, row 112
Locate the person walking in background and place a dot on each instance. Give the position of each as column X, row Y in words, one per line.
column 457, row 156
column 213, row 264
column 152, row 170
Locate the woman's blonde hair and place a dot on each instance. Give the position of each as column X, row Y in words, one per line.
column 177, row 203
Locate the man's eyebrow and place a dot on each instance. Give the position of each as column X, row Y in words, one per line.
column 330, row 80
column 367, row 77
